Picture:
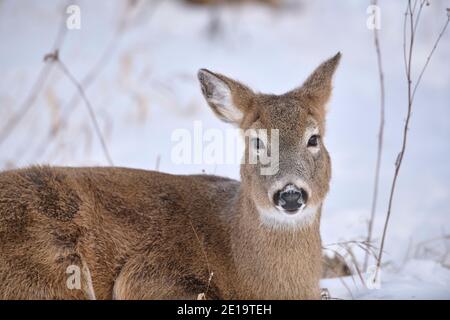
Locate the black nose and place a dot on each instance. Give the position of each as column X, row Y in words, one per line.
column 290, row 198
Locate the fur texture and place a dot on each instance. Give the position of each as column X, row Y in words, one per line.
column 147, row 235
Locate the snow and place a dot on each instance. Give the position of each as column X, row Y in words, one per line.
column 148, row 89
column 417, row 279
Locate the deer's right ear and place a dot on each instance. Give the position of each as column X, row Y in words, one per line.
column 228, row 98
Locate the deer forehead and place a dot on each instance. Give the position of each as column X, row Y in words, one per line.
column 292, row 119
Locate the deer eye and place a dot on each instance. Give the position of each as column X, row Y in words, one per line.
column 314, row 140
column 258, row 144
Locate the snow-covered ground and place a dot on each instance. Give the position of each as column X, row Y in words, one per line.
column 146, row 88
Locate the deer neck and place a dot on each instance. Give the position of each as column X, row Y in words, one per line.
column 274, row 263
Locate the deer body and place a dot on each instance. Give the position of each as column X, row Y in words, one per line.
column 136, row 234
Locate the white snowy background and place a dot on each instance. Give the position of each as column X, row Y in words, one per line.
column 145, row 87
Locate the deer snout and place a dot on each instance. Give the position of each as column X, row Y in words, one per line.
column 290, row 198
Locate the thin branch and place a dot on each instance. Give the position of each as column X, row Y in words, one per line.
column 405, row 20
column 414, row 6
column 86, row 82
column 158, row 162
column 430, row 55
column 400, row 156
column 408, row 250
column 341, row 257
column 399, row 160
column 428, row 241
column 355, row 263
column 332, row 268
column 91, row 76
column 40, row 82
column 364, row 244
column 55, row 58
column 380, row 141
column 422, row 3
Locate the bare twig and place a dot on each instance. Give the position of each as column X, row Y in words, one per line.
column 55, row 57
column 436, row 248
column 158, row 162
column 40, row 82
column 430, row 55
column 86, row 82
column 364, row 245
column 408, row 250
column 332, row 268
column 355, row 263
column 422, row 3
column 423, row 244
column 380, row 141
column 398, row 163
column 92, row 75
column 405, row 60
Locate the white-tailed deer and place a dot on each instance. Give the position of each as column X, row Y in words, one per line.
column 136, row 234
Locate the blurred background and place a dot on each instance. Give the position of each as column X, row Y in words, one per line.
column 137, row 63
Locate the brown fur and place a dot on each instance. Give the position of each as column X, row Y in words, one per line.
column 149, row 235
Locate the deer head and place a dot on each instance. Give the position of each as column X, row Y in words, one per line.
column 292, row 193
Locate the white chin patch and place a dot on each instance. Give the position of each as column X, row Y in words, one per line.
column 277, row 218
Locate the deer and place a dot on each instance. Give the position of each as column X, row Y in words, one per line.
column 138, row 234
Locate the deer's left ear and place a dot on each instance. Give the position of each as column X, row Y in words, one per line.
column 318, row 85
